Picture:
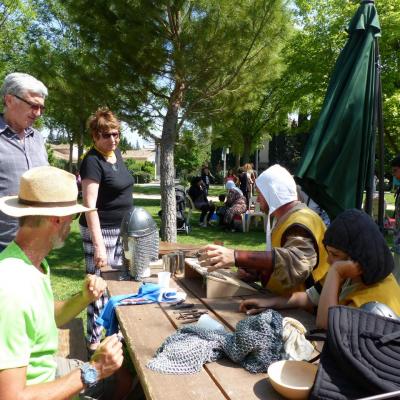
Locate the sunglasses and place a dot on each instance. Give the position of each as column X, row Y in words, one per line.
column 33, row 106
column 115, row 135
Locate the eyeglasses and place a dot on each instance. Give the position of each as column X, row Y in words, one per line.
column 33, row 106
column 115, row 135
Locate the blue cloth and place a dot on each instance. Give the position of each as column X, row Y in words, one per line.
column 148, row 293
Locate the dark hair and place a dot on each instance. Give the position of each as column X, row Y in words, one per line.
column 221, row 197
column 395, row 162
column 355, row 233
column 195, row 180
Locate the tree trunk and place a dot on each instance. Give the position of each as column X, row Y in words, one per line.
column 246, row 149
column 80, row 144
column 167, row 171
column 71, row 148
column 237, row 161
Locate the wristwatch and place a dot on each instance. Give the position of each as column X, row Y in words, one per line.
column 89, row 374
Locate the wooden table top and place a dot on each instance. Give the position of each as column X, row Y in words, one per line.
column 145, row 327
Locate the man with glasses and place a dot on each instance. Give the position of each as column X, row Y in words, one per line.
column 21, row 146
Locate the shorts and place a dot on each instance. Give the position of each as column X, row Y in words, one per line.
column 103, row 389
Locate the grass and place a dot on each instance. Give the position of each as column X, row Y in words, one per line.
column 214, row 190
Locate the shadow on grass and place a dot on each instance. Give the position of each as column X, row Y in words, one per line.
column 68, row 261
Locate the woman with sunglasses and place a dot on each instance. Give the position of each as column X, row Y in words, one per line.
column 108, row 186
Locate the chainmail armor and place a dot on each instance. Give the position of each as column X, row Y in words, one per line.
column 256, row 343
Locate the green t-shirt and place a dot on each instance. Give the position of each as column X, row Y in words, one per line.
column 28, row 331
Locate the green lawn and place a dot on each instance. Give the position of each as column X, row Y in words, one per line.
column 215, row 190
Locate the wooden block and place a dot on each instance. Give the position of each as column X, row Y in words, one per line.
column 227, row 287
column 218, row 284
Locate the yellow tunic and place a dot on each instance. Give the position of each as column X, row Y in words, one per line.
column 386, row 291
column 310, row 221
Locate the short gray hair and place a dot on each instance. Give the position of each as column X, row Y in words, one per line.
column 19, row 83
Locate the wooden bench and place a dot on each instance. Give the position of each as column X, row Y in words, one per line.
column 71, row 340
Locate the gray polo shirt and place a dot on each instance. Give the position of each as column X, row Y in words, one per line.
column 15, row 159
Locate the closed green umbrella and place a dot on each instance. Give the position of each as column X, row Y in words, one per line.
column 338, row 161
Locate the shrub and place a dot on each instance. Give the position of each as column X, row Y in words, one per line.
column 142, row 176
column 142, row 171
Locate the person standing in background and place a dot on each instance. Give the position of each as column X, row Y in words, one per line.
column 21, row 146
column 244, row 184
column 206, row 177
column 107, row 185
column 250, row 179
column 230, row 176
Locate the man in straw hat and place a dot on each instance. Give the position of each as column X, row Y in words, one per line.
column 295, row 257
column 29, row 317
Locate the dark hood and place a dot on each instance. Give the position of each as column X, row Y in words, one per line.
column 354, row 232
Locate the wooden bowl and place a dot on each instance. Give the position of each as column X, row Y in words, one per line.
column 292, row 379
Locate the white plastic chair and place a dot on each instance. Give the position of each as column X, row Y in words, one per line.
column 252, row 202
column 257, row 214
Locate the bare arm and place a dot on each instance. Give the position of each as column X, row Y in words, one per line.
column 13, row 386
column 90, row 191
column 92, row 289
column 296, row 300
column 107, row 359
column 337, row 274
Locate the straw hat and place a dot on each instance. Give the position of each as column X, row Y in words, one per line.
column 44, row 191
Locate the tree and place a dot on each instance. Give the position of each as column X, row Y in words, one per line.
column 312, row 52
column 176, row 56
column 15, row 16
column 77, row 86
column 192, row 151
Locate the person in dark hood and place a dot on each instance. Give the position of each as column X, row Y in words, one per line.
column 361, row 266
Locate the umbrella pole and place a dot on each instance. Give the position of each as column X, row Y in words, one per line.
column 381, row 132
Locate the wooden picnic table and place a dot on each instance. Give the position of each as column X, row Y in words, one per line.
column 145, row 327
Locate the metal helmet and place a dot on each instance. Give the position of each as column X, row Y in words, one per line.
column 137, row 223
column 140, row 240
column 379, row 309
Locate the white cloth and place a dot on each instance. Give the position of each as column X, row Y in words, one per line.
column 296, row 346
column 230, row 185
column 278, row 187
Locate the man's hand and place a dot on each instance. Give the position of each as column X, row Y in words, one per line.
column 255, row 306
column 108, row 357
column 93, row 287
column 216, row 257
